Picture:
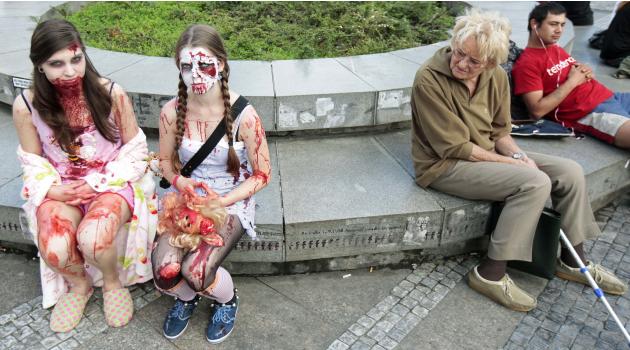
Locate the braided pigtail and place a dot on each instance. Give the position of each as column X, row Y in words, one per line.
column 182, row 101
column 233, row 162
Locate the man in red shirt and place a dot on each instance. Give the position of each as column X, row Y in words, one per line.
column 554, row 84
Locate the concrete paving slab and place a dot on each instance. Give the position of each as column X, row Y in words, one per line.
column 592, row 155
column 326, row 293
column 267, row 320
column 25, row 8
column 150, row 83
column 152, row 75
column 315, row 76
column 419, row 55
column 254, row 80
column 109, row 62
column 449, row 326
column 463, row 219
column 20, row 38
column 21, row 276
column 393, row 106
column 138, row 334
column 318, row 220
column 21, row 29
column 382, row 71
column 391, row 76
column 15, row 61
column 398, row 144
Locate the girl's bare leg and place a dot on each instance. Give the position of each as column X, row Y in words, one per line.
column 96, row 235
column 57, row 241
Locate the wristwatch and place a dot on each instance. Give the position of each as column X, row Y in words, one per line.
column 518, row 155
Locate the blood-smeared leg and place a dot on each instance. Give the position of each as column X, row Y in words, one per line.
column 57, row 241
column 167, row 263
column 200, row 266
column 96, row 235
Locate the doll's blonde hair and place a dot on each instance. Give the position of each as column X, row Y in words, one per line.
column 172, row 203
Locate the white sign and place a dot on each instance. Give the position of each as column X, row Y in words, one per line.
column 21, row 83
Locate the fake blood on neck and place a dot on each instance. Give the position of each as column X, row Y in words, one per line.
column 72, row 100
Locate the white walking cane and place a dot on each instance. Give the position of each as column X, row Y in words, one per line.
column 598, row 292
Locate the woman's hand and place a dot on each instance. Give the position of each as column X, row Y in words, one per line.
column 183, row 184
column 74, row 193
column 84, row 194
column 64, row 193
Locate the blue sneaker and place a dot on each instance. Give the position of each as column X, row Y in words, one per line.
column 222, row 317
column 177, row 319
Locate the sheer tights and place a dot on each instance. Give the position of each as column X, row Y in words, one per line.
column 197, row 267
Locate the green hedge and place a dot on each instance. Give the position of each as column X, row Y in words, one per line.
column 266, row 30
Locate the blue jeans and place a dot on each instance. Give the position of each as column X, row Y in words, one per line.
column 619, row 104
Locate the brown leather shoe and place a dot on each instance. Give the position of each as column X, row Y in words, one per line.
column 504, row 291
column 605, row 279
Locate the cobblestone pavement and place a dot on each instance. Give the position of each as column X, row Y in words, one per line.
column 26, row 326
column 568, row 315
column 389, row 321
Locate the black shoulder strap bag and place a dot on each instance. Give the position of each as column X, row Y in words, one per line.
column 238, row 106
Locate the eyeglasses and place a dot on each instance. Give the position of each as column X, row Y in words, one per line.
column 461, row 55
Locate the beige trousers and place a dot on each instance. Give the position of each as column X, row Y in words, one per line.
column 524, row 191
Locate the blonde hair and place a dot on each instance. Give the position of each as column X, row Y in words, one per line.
column 490, row 30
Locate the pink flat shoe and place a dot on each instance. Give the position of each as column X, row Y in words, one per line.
column 68, row 311
column 118, row 307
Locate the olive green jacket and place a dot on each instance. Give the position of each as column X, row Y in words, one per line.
column 447, row 121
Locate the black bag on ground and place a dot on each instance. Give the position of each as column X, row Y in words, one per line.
column 545, row 247
column 539, row 128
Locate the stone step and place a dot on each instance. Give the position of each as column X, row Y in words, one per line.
column 339, row 202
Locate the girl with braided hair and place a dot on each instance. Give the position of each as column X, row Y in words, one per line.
column 234, row 171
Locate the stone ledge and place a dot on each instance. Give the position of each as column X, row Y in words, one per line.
column 352, row 202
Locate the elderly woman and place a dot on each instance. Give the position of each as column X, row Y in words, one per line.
column 461, row 145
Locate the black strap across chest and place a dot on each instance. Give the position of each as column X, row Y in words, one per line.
column 212, row 141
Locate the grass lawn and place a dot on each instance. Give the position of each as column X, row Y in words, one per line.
column 266, row 30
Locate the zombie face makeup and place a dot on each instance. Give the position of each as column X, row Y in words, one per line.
column 199, row 69
column 65, row 69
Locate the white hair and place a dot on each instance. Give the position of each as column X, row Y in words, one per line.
column 490, row 30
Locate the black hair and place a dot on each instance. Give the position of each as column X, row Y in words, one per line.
column 540, row 12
